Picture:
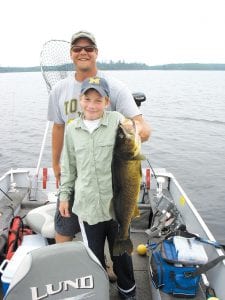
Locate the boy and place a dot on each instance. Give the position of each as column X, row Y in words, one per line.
column 86, row 169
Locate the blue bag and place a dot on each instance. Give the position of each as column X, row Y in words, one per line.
column 173, row 278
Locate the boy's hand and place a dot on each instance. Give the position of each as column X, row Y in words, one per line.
column 64, row 209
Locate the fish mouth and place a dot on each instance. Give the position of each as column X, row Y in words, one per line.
column 129, row 128
column 129, row 132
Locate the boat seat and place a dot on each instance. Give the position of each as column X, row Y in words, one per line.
column 68, row 270
column 41, row 220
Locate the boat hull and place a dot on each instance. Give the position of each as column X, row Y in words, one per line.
column 26, row 191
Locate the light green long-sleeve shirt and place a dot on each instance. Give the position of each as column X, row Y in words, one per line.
column 86, row 167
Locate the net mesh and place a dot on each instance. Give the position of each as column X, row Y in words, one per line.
column 55, row 62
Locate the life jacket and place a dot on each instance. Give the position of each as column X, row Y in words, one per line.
column 15, row 236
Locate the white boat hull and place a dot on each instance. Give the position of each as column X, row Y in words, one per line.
column 35, row 191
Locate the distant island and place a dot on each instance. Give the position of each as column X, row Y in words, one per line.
column 121, row 65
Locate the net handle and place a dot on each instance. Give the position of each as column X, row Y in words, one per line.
column 49, row 86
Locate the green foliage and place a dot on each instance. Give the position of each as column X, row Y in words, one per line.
column 190, row 66
column 120, row 65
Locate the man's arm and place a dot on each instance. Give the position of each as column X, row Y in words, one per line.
column 143, row 127
column 57, row 145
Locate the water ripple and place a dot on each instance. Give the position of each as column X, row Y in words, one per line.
column 189, row 119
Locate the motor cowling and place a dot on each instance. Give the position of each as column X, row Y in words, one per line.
column 139, row 98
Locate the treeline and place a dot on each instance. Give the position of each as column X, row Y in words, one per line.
column 121, row 65
column 19, row 69
column 190, row 66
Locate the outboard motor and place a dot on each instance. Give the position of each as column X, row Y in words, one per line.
column 62, row 271
column 139, row 98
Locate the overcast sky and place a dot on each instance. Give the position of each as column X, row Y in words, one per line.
column 149, row 31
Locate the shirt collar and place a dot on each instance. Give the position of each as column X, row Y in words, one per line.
column 104, row 121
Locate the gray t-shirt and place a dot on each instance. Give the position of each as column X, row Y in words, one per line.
column 64, row 99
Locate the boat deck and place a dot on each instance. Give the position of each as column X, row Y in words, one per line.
column 144, row 287
column 143, row 282
column 140, row 271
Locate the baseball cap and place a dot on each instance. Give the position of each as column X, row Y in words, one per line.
column 97, row 83
column 83, row 34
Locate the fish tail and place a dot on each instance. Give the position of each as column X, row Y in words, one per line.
column 122, row 246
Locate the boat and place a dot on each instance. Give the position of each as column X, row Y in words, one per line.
column 37, row 268
column 33, row 198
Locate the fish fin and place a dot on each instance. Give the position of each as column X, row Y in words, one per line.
column 111, row 210
column 139, row 157
column 136, row 212
column 122, row 246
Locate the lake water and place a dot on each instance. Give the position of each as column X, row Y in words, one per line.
column 186, row 111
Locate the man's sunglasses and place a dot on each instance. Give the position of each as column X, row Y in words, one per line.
column 80, row 48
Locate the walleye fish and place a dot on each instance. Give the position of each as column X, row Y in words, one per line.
column 126, row 180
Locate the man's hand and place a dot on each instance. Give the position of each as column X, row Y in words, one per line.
column 143, row 128
column 132, row 126
column 64, row 209
column 128, row 125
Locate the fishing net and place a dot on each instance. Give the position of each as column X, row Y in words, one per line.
column 55, row 65
column 55, row 62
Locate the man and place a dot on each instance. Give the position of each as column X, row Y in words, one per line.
column 64, row 107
